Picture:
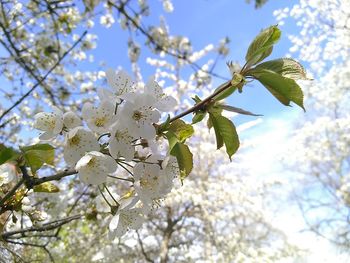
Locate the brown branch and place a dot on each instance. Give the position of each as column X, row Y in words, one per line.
column 204, row 102
column 30, row 182
column 45, row 227
column 55, row 177
column 148, row 259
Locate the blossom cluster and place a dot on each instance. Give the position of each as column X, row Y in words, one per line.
column 126, row 115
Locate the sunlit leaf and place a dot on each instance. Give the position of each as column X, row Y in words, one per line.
column 37, row 155
column 46, row 187
column 284, row 89
column 262, row 45
column 286, row 67
column 225, row 133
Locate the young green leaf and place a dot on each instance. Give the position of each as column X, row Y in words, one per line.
column 225, row 133
column 37, row 155
column 284, row 89
column 198, row 116
column 172, row 139
column 262, row 45
column 286, row 67
column 184, row 159
column 181, row 129
column 46, row 187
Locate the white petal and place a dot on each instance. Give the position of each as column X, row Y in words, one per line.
column 114, row 223
column 166, row 104
column 71, row 120
column 148, row 131
column 88, row 111
column 83, row 161
column 109, row 164
column 46, row 136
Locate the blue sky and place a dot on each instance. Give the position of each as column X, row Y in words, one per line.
column 204, row 22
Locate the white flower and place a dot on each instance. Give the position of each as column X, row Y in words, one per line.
column 71, row 120
column 7, row 173
column 122, row 86
column 99, row 119
column 94, row 167
column 139, row 115
column 164, row 102
column 51, row 123
column 126, row 218
column 79, row 141
column 168, row 6
column 107, row 20
column 148, row 182
column 120, row 142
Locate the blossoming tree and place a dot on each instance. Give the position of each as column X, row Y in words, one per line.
column 130, row 144
column 322, row 140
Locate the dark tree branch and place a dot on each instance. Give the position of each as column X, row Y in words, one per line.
column 42, row 79
column 45, row 227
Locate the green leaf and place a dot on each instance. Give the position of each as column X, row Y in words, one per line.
column 284, row 89
column 184, row 159
column 225, row 133
column 286, row 67
column 196, row 99
column 6, row 153
column 37, row 155
column 262, row 45
column 219, row 139
column 198, row 116
column 181, row 129
column 164, row 126
column 46, row 187
column 172, row 139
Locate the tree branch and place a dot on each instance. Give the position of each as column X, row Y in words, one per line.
column 41, row 80
column 45, row 227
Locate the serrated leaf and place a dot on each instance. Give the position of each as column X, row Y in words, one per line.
column 46, row 187
column 37, row 155
column 238, row 110
column 225, row 133
column 284, row 89
column 262, row 45
column 6, row 154
column 184, row 159
column 181, row 129
column 286, row 67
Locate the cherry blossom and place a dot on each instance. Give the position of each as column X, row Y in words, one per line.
column 51, row 123
column 139, row 115
column 99, row 118
column 71, row 120
column 120, row 142
column 78, row 141
column 94, row 167
column 164, row 103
